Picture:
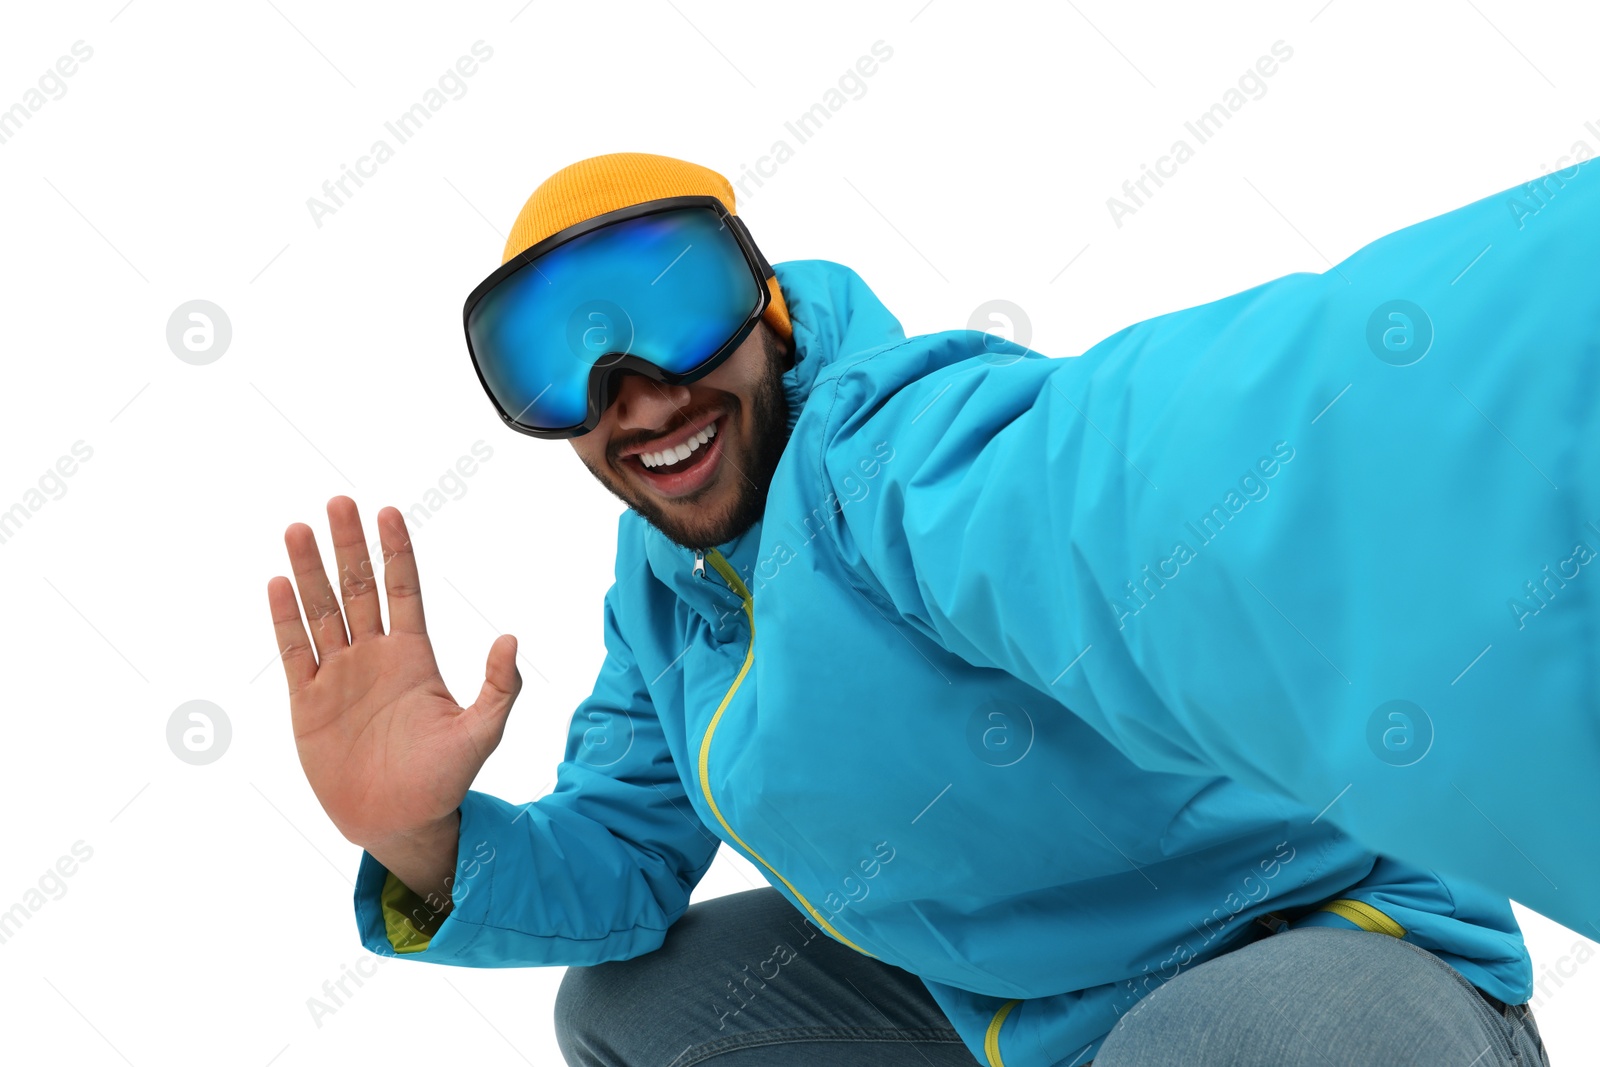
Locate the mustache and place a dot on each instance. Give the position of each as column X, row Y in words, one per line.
column 617, row 449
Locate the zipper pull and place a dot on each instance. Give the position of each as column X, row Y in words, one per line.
column 699, row 564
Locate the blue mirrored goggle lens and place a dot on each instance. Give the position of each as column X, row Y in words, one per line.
column 670, row 287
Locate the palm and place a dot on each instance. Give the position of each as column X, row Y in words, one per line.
column 384, row 745
column 380, row 737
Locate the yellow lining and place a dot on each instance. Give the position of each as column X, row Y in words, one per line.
column 732, row 578
column 1365, row 916
column 399, row 903
column 991, row 1039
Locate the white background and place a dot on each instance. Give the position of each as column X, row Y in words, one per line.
column 177, row 166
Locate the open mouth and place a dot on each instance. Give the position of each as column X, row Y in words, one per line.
column 682, row 470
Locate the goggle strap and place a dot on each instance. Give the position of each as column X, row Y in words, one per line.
column 766, row 268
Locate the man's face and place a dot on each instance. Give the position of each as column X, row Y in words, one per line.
column 719, row 490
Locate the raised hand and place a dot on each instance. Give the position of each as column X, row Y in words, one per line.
column 386, row 748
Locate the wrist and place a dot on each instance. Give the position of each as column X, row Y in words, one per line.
column 427, row 837
column 424, row 859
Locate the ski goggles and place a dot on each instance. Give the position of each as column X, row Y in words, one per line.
column 668, row 289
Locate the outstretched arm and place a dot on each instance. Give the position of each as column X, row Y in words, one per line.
column 1330, row 536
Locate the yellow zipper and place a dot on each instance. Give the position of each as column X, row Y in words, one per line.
column 1365, row 916
column 991, row 1039
column 732, row 578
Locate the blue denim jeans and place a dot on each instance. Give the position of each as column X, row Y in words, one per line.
column 720, row 990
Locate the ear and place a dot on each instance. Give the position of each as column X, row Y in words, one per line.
column 778, row 349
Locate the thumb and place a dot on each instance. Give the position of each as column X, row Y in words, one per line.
column 501, row 684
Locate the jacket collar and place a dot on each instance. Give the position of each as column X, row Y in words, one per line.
column 835, row 315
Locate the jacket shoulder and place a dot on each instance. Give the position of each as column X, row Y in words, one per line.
column 857, row 386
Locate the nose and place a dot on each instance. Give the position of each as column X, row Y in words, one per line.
column 644, row 404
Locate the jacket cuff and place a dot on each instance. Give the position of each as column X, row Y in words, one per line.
column 391, row 917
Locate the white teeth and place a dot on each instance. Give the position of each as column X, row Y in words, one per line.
column 681, row 452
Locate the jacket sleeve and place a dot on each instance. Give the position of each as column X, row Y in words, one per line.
column 1333, row 536
column 596, row 870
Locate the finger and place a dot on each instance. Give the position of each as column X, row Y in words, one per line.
column 501, row 684
column 316, row 595
column 400, row 574
column 358, row 584
column 294, row 648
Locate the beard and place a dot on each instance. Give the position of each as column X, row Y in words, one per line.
column 692, row 525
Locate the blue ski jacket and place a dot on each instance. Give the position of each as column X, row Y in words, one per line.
column 1042, row 678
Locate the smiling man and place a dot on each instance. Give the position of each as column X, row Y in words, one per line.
column 695, row 460
column 1265, row 818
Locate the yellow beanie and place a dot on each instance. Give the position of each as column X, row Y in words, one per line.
column 599, row 184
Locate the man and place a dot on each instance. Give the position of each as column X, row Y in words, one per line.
column 1092, row 709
